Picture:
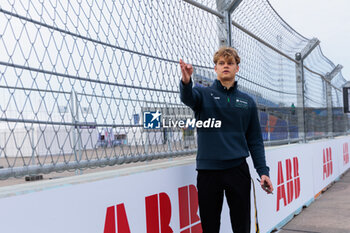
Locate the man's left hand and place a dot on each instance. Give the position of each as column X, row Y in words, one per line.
column 266, row 184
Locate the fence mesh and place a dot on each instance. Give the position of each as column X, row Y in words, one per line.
column 77, row 76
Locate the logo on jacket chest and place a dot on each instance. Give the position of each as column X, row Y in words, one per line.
column 241, row 103
column 215, row 97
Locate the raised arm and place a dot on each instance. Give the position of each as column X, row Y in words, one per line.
column 188, row 95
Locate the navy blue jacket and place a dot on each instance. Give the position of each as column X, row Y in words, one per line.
column 240, row 132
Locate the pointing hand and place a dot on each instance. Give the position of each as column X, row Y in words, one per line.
column 186, row 70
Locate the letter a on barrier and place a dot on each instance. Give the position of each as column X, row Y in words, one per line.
column 122, row 220
column 345, row 153
column 281, row 192
column 327, row 162
column 110, row 220
column 324, row 165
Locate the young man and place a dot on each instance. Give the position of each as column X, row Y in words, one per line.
column 222, row 152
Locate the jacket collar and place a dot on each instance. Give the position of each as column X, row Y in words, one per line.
column 217, row 85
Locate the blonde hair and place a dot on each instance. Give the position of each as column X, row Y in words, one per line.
column 227, row 53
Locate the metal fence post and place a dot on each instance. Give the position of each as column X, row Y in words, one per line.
column 78, row 128
column 346, row 84
column 300, row 97
column 75, row 120
column 225, row 24
column 72, row 110
column 222, row 23
column 330, row 128
column 145, row 133
column 299, row 66
column 30, row 132
column 169, row 130
column 329, row 77
column 32, row 144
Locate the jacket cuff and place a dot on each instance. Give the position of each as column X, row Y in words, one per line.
column 264, row 171
column 183, row 86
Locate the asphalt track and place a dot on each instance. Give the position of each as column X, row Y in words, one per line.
column 329, row 213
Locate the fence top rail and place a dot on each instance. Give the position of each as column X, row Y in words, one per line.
column 205, row 8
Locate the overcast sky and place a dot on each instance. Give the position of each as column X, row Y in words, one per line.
column 325, row 19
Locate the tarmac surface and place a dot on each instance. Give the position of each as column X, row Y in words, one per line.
column 330, row 213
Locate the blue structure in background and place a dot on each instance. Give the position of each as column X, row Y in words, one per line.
column 277, row 128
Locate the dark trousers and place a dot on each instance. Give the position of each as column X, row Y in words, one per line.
column 235, row 183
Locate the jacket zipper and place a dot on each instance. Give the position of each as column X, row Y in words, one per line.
column 228, row 96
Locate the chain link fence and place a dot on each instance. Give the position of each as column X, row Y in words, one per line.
column 78, row 77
